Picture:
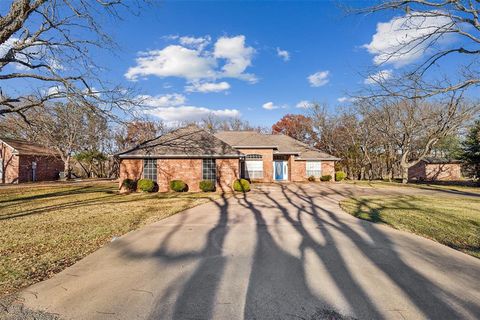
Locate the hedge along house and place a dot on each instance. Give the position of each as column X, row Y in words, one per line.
column 277, row 157
column 23, row 161
column 189, row 154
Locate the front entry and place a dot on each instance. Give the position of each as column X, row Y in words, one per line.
column 280, row 169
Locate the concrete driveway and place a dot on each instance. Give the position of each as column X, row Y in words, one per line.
column 281, row 252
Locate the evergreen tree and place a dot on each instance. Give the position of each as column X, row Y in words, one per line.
column 471, row 149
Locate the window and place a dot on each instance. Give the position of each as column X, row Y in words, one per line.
column 314, row 168
column 209, row 170
column 150, row 169
column 254, row 166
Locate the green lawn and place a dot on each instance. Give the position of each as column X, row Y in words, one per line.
column 452, row 221
column 428, row 186
column 46, row 228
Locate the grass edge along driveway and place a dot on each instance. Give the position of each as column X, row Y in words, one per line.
column 46, row 228
column 452, row 221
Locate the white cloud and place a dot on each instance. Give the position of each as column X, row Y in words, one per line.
column 270, row 106
column 190, row 60
column 159, row 101
column 284, row 54
column 345, row 99
column 190, row 113
column 172, row 109
column 379, row 77
column 197, row 43
column 238, row 57
column 319, row 78
column 208, row 87
column 304, row 104
column 403, row 40
column 173, row 61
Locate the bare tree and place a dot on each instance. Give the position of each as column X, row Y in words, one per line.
column 423, row 28
column 48, row 44
column 415, row 126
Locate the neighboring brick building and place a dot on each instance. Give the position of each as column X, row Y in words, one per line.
column 23, row 161
column 434, row 169
column 192, row 154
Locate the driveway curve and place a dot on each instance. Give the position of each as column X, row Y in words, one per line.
column 281, row 252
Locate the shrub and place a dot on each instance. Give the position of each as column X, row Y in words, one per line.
column 207, row 185
column 311, row 178
column 340, row 175
column 326, row 177
column 146, row 185
column 129, row 185
column 241, row 185
column 178, row 186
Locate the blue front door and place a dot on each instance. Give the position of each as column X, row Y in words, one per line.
column 278, row 170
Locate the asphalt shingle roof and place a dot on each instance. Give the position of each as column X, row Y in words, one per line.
column 189, row 141
column 279, row 142
column 23, row 147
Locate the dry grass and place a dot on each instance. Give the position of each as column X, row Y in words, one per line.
column 427, row 186
column 452, row 221
column 46, row 228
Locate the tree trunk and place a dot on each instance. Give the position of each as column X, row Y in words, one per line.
column 404, row 173
column 66, row 168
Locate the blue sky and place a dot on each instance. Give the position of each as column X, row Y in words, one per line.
column 255, row 60
column 318, row 37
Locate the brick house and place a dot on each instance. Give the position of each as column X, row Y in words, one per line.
column 436, row 169
column 23, row 161
column 277, row 157
column 192, row 154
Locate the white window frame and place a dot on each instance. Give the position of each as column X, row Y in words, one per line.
column 313, row 168
column 254, row 166
column 152, row 172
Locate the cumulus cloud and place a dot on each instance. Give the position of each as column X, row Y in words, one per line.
column 238, row 57
column 403, row 40
column 205, row 87
column 172, row 108
column 197, row 43
column 284, row 54
column 191, row 60
column 319, row 78
column 173, row 61
column 304, row 104
column 379, row 77
column 167, row 100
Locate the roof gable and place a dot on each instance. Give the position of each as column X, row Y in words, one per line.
column 23, row 147
column 190, row 141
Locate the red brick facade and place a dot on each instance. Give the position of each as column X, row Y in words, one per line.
column 434, row 171
column 298, row 169
column 187, row 170
column 19, row 168
column 267, row 157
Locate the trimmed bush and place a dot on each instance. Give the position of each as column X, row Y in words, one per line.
column 311, row 178
column 326, row 177
column 178, row 186
column 340, row 175
column 129, row 185
column 146, row 185
column 241, row 185
column 207, row 185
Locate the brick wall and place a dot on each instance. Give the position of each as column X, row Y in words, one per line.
column 449, row 171
column 328, row 168
column 267, row 155
column 10, row 165
column 227, row 171
column 298, row 170
column 417, row 172
column 48, row 168
column 188, row 170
